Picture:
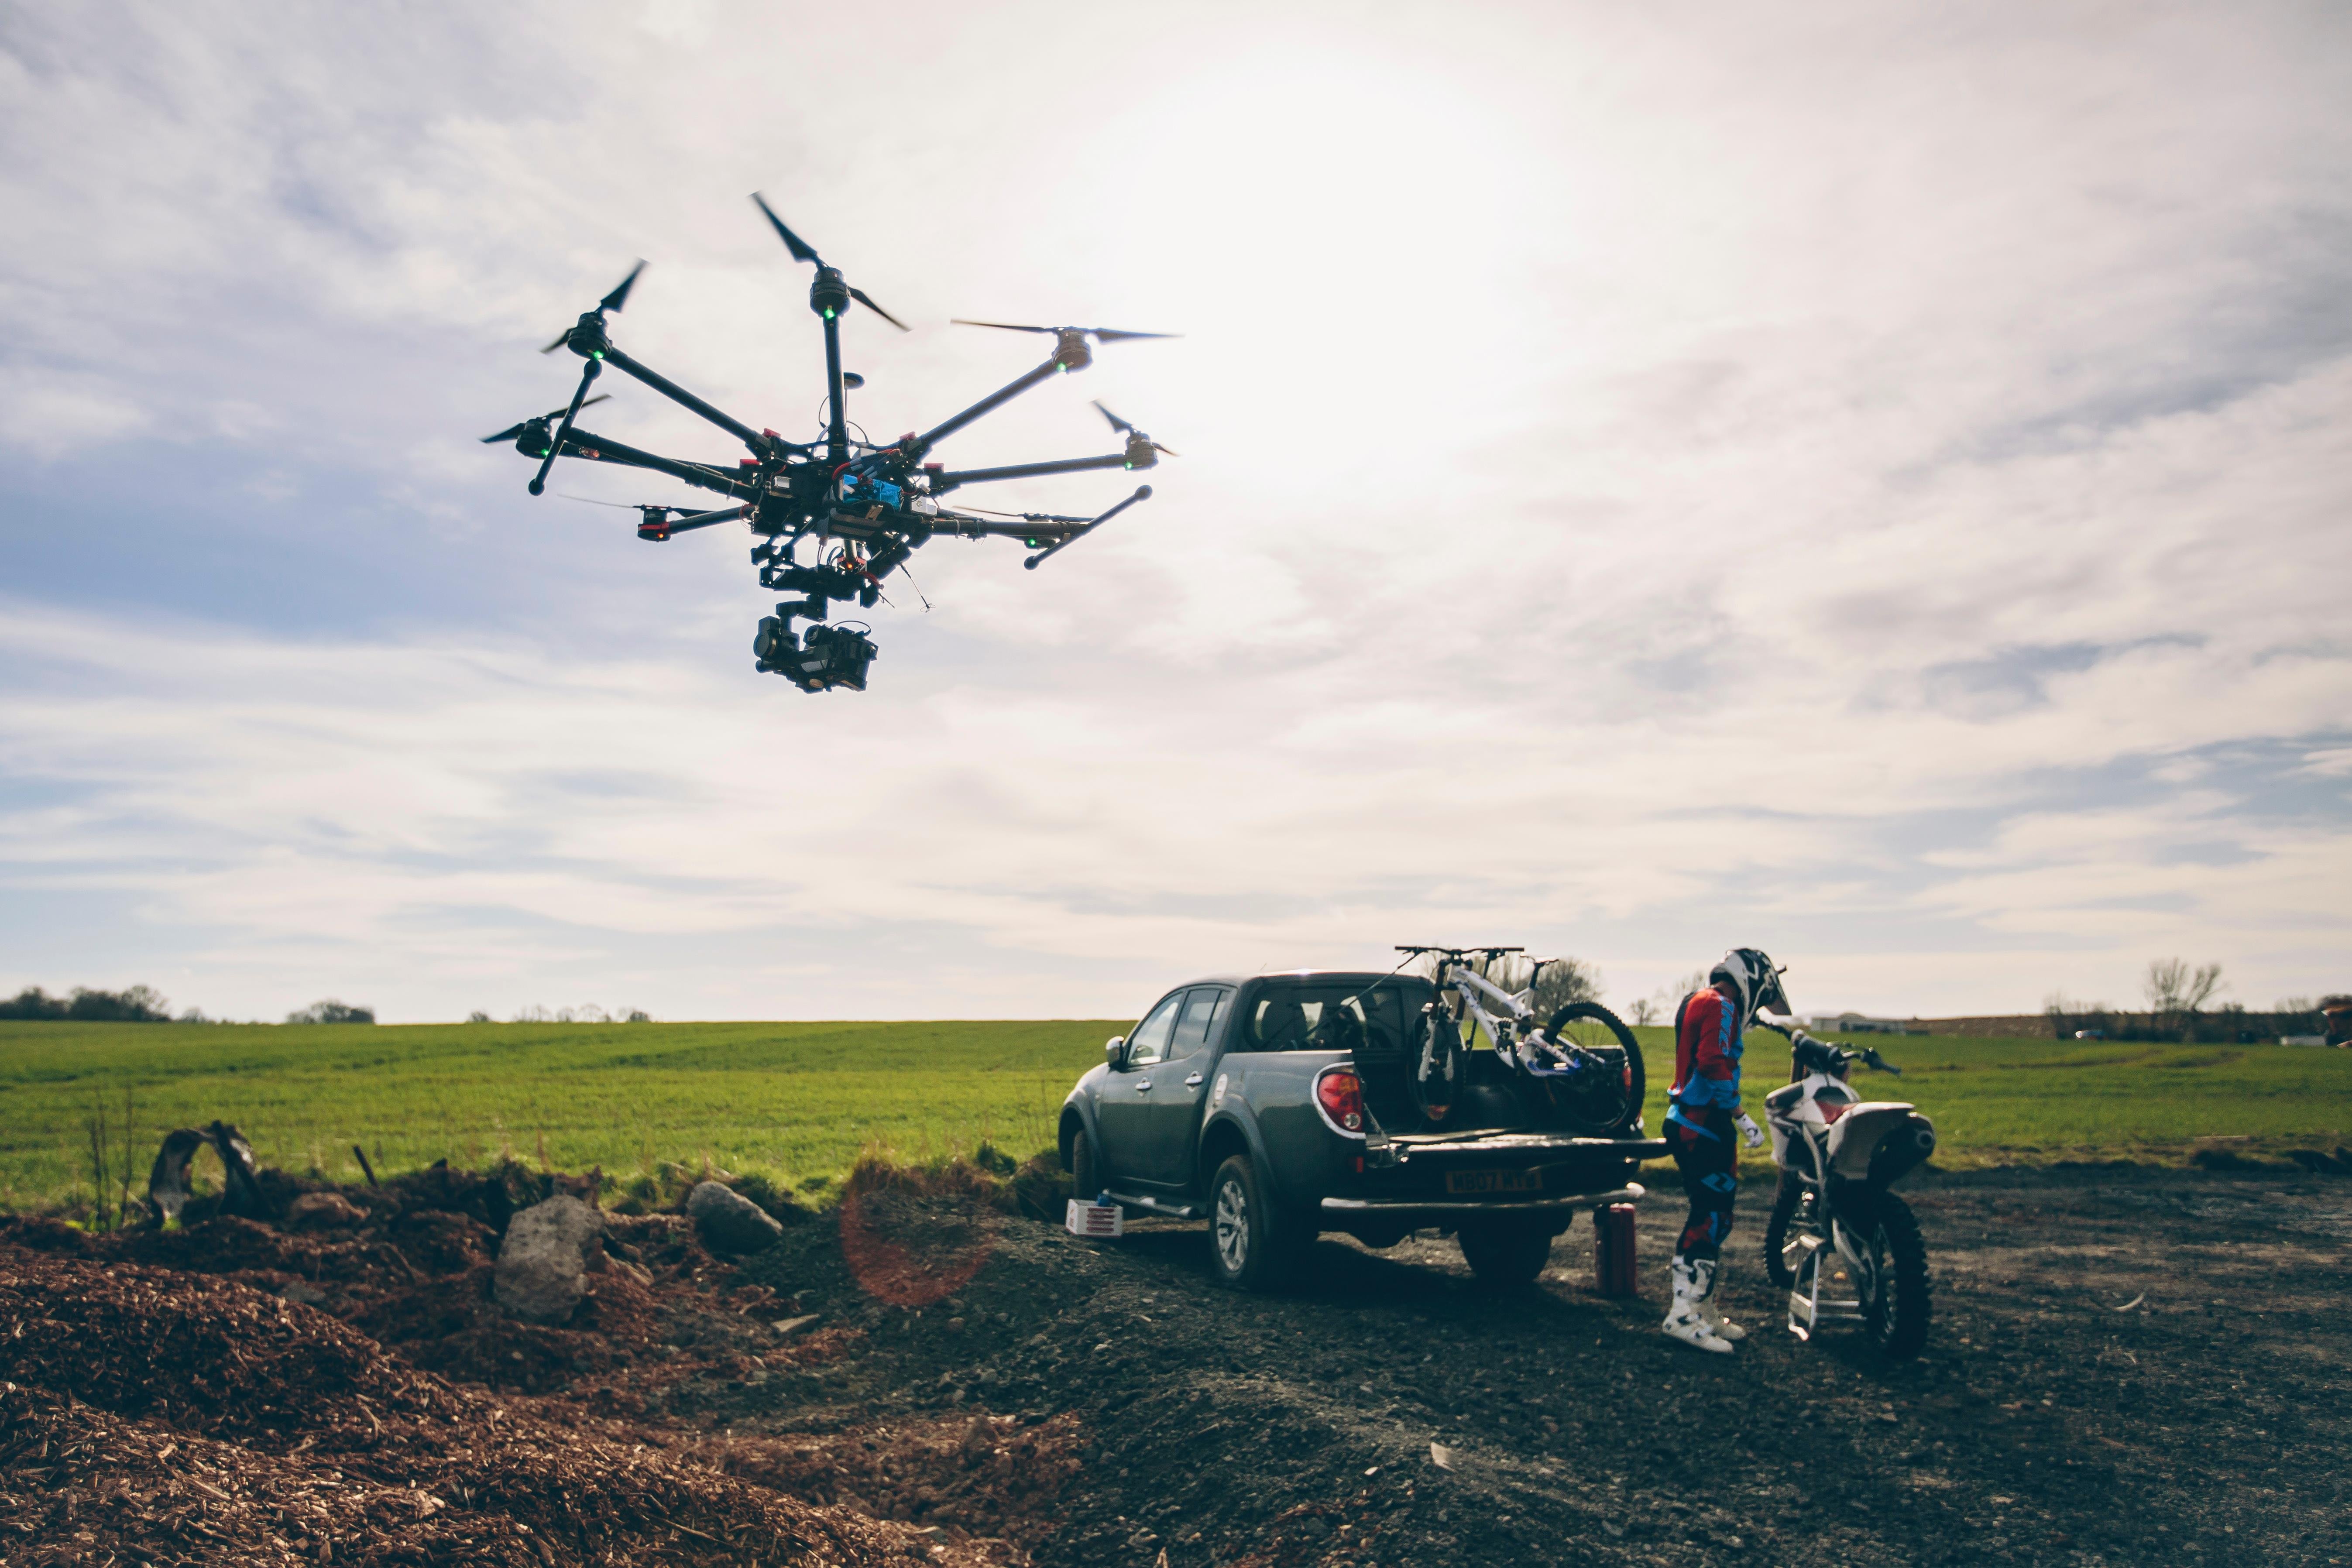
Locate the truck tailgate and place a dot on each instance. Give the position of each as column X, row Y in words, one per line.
column 1450, row 1175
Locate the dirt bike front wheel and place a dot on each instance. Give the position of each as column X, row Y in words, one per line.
column 1895, row 1305
column 1776, row 1229
column 1605, row 1101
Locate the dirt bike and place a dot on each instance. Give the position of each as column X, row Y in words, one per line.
column 1838, row 1155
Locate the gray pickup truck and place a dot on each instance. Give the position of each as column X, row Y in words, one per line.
column 1281, row 1106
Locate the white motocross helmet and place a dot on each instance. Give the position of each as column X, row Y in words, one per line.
column 1755, row 979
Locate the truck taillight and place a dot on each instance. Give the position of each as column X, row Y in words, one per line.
column 1341, row 1096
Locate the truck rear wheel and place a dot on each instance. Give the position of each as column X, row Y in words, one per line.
column 1251, row 1246
column 1504, row 1257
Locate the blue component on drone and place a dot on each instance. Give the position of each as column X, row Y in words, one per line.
column 858, row 486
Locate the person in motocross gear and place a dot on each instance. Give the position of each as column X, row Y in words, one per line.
column 1701, row 1116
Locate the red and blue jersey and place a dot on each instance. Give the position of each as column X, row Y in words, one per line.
column 1707, row 1048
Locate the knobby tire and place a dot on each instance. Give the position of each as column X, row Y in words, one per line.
column 1615, row 1115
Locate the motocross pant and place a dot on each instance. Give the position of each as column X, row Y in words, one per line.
column 1702, row 1145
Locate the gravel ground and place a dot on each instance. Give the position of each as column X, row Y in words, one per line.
column 2205, row 1423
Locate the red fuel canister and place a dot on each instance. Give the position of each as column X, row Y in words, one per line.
column 1612, row 1250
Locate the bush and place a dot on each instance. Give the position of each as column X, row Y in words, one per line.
column 331, row 1012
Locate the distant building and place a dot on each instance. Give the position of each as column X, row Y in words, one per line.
column 1857, row 1024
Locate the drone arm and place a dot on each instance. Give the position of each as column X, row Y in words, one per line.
column 597, row 449
column 996, row 399
column 547, row 459
column 1142, row 492
column 964, row 527
column 757, row 441
column 949, row 481
column 709, row 519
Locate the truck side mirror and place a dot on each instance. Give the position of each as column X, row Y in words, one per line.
column 1114, row 1051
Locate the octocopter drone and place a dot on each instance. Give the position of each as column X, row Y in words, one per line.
column 868, row 508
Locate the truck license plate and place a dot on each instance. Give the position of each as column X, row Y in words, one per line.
column 1492, row 1181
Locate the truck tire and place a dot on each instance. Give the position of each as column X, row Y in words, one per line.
column 1504, row 1255
column 1251, row 1244
column 1085, row 1173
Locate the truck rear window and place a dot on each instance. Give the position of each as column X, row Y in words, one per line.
column 1330, row 1015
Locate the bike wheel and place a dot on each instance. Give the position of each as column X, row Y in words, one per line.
column 1776, row 1229
column 1602, row 1103
column 1894, row 1306
column 1437, row 1069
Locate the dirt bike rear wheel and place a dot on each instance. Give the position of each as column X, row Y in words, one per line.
column 1585, row 1105
column 1896, row 1307
column 1776, row 1229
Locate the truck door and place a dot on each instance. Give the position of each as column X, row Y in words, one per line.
column 1172, row 1108
column 1123, row 1105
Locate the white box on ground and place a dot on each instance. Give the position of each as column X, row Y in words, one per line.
column 1095, row 1219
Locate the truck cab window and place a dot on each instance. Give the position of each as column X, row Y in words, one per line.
column 1200, row 1013
column 1148, row 1044
column 1325, row 1017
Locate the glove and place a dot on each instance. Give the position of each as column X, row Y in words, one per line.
column 1751, row 1134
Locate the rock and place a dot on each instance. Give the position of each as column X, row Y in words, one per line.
column 548, row 1249
column 323, row 1211
column 728, row 1221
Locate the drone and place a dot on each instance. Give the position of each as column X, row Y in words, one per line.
column 864, row 508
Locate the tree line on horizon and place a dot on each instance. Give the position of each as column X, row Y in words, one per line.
column 145, row 1005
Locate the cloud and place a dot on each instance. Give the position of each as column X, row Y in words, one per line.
column 1871, row 486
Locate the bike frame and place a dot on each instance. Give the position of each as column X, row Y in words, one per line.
column 1516, row 1035
column 1461, row 979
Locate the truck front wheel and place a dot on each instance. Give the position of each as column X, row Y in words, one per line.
column 1085, row 1173
column 1504, row 1257
column 1250, row 1246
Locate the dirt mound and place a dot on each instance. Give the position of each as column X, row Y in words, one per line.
column 347, row 1455
column 208, row 1356
column 990, row 1475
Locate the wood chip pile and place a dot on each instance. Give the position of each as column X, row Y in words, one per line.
column 153, row 1415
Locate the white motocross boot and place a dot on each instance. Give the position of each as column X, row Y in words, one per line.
column 1712, row 1315
column 1686, row 1320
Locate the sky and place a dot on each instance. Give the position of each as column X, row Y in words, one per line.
column 1867, row 482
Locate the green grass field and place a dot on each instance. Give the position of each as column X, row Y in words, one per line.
column 798, row 1101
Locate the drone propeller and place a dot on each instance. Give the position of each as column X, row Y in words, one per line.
column 1124, row 428
column 614, row 301
column 1100, row 334
column 511, row 431
column 803, row 251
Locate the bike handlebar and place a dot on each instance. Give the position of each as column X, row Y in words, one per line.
column 1828, row 1055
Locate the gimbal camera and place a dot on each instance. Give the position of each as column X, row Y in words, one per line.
column 868, row 508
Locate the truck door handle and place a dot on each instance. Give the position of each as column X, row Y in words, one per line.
column 1193, row 1081
column 1144, row 1086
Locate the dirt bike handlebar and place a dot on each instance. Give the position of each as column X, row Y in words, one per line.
column 1827, row 1055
